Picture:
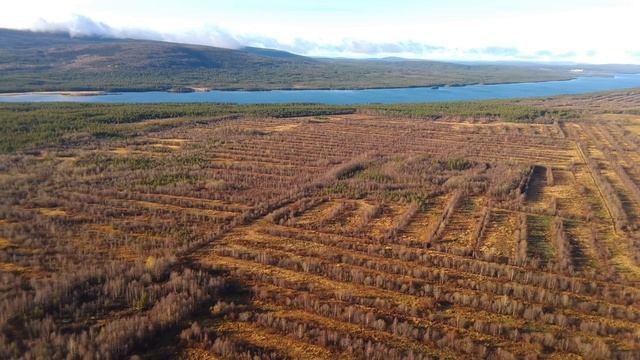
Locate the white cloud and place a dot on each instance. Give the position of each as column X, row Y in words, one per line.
column 594, row 31
column 82, row 26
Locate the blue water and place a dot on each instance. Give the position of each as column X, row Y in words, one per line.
column 404, row 95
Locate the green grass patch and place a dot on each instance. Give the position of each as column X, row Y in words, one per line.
column 27, row 126
column 501, row 110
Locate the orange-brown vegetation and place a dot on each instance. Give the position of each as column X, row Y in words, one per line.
column 349, row 236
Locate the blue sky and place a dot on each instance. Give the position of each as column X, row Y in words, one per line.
column 593, row 31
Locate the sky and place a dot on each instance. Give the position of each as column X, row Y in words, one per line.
column 586, row 31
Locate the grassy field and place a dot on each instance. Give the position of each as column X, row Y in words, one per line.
column 498, row 230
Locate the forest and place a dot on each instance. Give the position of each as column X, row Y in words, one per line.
column 488, row 230
column 49, row 61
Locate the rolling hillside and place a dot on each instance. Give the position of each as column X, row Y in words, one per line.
column 31, row 61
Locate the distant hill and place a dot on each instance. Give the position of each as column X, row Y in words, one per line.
column 275, row 54
column 36, row 61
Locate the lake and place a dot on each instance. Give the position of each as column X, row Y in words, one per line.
column 345, row 97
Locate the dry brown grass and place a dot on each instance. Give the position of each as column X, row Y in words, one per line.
column 329, row 254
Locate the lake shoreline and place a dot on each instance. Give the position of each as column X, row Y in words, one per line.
column 446, row 93
column 59, row 92
column 202, row 89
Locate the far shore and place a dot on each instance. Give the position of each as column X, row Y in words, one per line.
column 201, row 89
column 65, row 93
column 297, row 87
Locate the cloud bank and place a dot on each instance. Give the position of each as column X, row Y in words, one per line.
column 83, row 26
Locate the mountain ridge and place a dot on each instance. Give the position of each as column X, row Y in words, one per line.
column 38, row 61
